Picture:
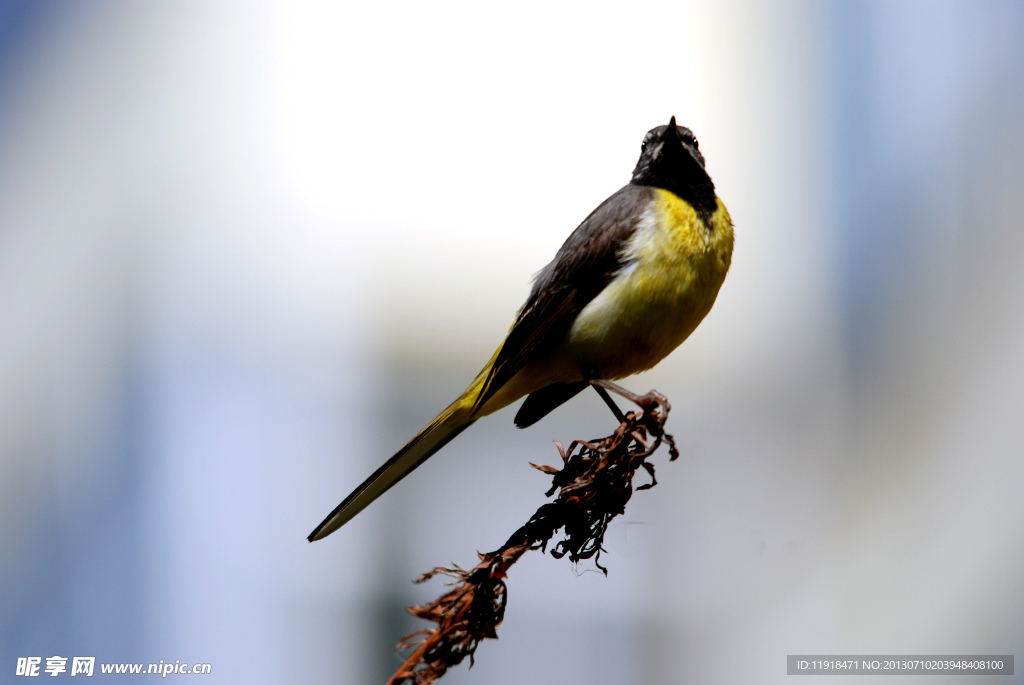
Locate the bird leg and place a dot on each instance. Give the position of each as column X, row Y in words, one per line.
column 608, row 400
column 645, row 402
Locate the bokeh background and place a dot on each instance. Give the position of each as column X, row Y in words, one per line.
column 248, row 250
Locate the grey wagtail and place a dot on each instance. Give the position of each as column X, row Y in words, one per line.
column 628, row 286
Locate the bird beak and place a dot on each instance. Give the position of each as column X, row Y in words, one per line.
column 672, row 133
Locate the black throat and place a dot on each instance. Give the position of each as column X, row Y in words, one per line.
column 696, row 189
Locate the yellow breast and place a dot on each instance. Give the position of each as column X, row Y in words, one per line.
column 675, row 265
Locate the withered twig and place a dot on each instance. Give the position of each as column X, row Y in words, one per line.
column 594, row 485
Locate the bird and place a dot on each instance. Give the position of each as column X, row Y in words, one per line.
column 627, row 287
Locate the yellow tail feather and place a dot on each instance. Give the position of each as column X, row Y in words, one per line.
column 452, row 421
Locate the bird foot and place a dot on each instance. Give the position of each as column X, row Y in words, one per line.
column 648, row 403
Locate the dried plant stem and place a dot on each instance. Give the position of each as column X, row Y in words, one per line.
column 594, row 485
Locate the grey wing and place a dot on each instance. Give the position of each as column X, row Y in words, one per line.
column 583, row 266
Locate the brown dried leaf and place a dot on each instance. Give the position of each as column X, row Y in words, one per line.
column 593, row 485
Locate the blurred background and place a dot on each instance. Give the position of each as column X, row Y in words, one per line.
column 248, row 250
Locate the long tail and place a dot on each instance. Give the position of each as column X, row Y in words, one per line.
column 452, row 421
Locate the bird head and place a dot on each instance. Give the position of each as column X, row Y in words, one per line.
column 670, row 158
